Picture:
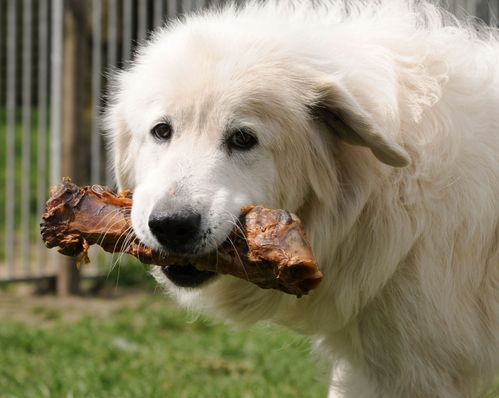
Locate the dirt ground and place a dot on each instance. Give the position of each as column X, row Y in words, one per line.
column 21, row 304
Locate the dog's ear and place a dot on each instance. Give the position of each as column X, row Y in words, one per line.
column 346, row 118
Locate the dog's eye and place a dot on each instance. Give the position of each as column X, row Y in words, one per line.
column 162, row 131
column 242, row 140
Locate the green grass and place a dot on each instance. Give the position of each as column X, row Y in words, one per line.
column 152, row 349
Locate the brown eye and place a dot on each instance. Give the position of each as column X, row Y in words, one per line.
column 242, row 140
column 162, row 131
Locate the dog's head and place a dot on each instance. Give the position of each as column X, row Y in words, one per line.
column 203, row 124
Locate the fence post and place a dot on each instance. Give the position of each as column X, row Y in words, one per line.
column 73, row 123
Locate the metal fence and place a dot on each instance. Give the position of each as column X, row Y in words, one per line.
column 53, row 59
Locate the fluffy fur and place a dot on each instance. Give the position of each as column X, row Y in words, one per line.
column 378, row 124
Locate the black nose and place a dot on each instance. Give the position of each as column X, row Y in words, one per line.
column 175, row 230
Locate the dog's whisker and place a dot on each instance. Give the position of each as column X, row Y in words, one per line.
column 116, row 260
column 105, row 218
column 111, row 222
column 109, row 227
column 214, row 242
column 238, row 257
column 126, row 241
column 235, row 221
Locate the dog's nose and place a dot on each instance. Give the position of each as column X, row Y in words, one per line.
column 175, row 230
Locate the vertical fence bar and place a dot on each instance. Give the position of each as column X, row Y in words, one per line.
column 2, row 127
column 466, row 5
column 95, row 141
column 187, row 6
column 127, row 30
column 200, row 4
column 112, row 57
column 42, row 87
column 3, row 268
column 95, row 144
column 56, row 79
column 494, row 11
column 2, row 40
column 172, row 8
column 158, row 12
column 451, row 5
column 142, row 21
column 10, row 188
column 56, row 60
column 112, row 36
column 472, row 6
column 26, row 127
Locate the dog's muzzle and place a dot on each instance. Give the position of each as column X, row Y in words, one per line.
column 176, row 231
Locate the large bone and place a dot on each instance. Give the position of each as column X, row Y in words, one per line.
column 269, row 247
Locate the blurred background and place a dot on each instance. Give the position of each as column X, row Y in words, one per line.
column 106, row 330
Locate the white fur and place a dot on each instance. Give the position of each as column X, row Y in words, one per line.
column 409, row 304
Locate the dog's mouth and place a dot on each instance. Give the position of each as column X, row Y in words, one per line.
column 187, row 275
column 182, row 272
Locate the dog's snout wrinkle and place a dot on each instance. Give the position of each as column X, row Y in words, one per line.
column 174, row 230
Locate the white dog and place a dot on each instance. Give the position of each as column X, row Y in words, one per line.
column 377, row 122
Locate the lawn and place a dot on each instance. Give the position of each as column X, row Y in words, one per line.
column 143, row 346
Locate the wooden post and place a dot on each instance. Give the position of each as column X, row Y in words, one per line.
column 74, row 142
column 68, row 275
